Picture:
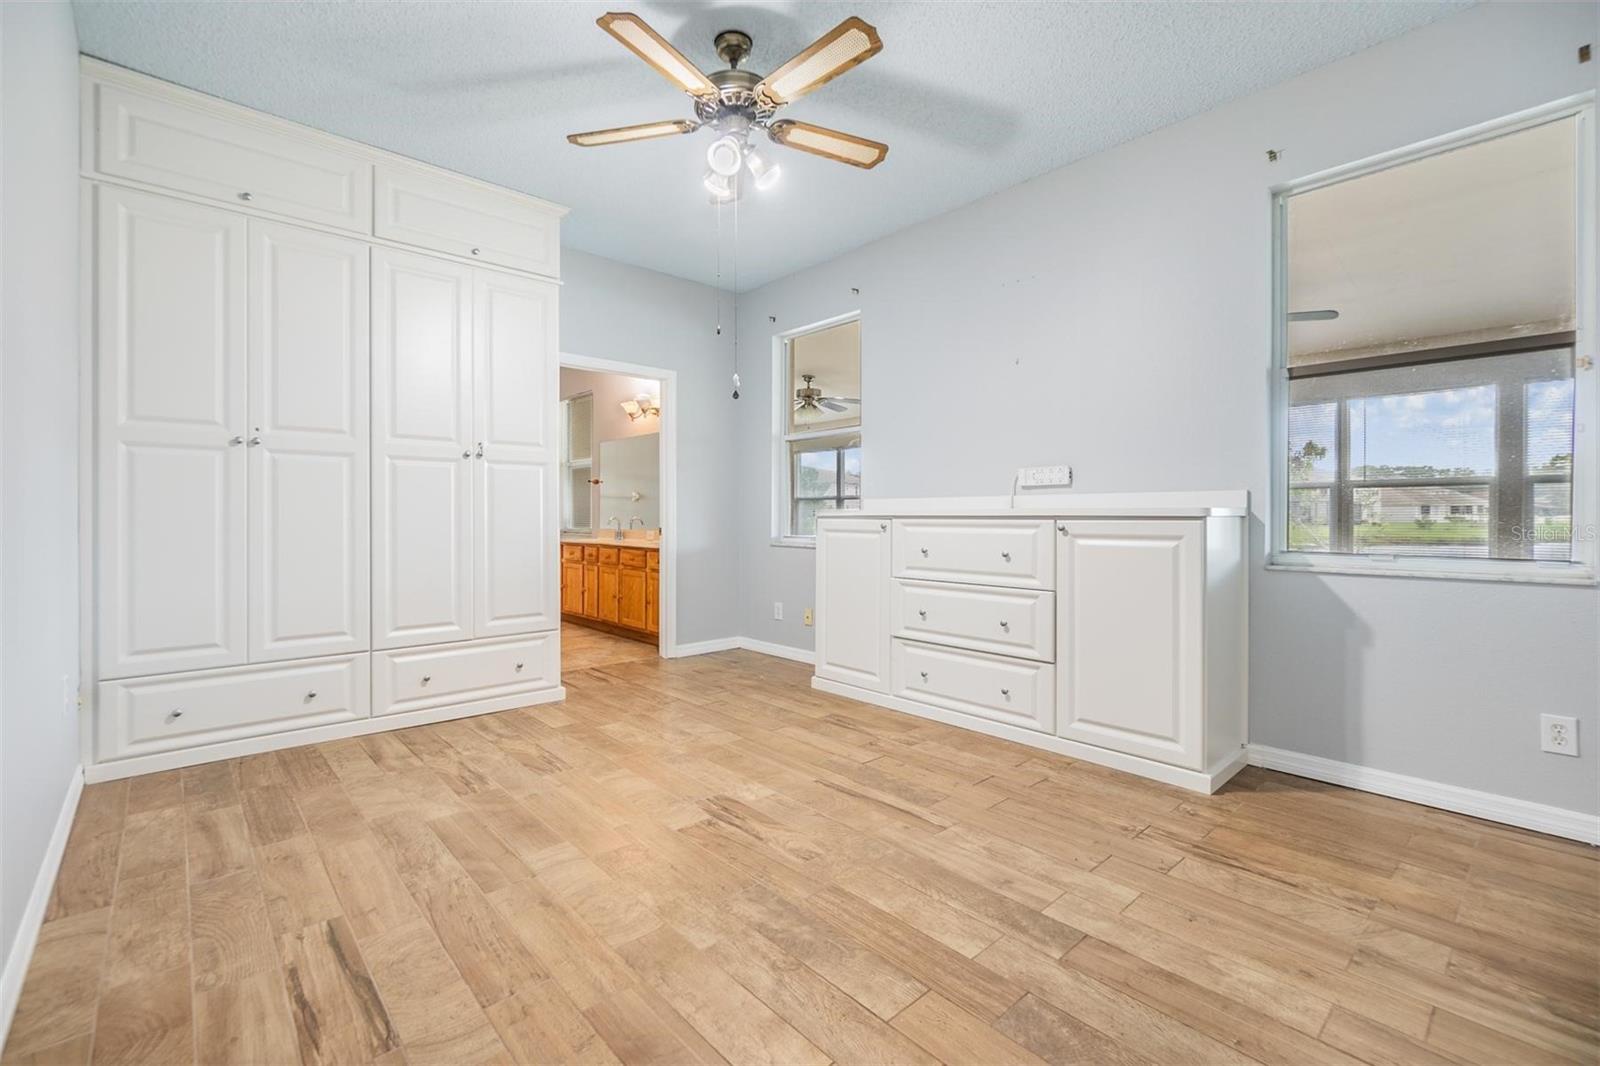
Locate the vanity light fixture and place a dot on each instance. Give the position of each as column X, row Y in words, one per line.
column 640, row 406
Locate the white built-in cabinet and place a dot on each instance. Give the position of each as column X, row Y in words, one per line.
column 1113, row 633
column 322, row 485
column 463, row 451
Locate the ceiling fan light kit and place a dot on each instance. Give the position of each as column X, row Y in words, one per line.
column 736, row 102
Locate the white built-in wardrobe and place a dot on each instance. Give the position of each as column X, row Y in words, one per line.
column 320, row 477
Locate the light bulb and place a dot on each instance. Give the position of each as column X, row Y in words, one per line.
column 765, row 173
column 725, row 155
column 721, row 187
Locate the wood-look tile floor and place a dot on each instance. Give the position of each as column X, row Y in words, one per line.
column 703, row 860
column 583, row 648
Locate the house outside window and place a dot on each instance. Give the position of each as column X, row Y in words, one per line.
column 817, row 455
column 1431, row 399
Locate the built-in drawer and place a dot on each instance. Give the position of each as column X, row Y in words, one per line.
column 572, row 553
column 415, row 679
column 195, row 150
column 143, row 716
column 655, row 560
column 1001, row 689
column 1004, row 621
column 429, row 210
column 634, row 557
column 1015, row 553
column 610, row 556
column 591, row 553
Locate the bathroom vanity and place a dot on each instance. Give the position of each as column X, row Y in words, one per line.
column 612, row 584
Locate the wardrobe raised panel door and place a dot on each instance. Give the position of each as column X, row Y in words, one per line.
column 308, row 443
column 1130, row 617
column 422, row 453
column 853, row 621
column 516, row 554
column 169, row 308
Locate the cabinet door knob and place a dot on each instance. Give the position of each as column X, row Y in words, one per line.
column 883, row 525
column 924, row 675
column 924, row 553
column 467, row 454
column 519, row 666
column 922, row 613
column 475, row 251
column 1006, row 693
column 175, row 715
column 1061, row 528
column 246, row 197
column 426, row 678
column 1006, row 626
column 1006, row 556
column 234, row 442
column 311, row 696
column 253, row 441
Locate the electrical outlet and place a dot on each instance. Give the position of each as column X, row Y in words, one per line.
column 777, row 610
column 808, row 616
column 1041, row 477
column 1558, row 734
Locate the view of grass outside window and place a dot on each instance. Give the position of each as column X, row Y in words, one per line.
column 1431, row 396
column 821, row 426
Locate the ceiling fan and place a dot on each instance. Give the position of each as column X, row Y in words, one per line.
column 736, row 102
column 810, row 398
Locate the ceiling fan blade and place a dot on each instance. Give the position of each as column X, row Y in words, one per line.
column 847, row 44
column 642, row 132
column 837, row 408
column 842, row 399
column 830, row 144
column 1326, row 315
column 650, row 46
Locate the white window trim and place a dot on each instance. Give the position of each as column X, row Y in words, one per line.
column 1586, row 407
column 568, row 464
column 781, row 537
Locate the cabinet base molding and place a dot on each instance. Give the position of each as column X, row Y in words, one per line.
column 171, row 760
column 1207, row 781
column 642, row 637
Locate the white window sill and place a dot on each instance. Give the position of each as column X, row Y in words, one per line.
column 1526, row 573
column 794, row 542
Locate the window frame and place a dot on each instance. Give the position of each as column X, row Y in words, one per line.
column 568, row 464
column 783, row 534
column 1581, row 570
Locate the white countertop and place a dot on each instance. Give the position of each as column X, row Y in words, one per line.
column 1229, row 503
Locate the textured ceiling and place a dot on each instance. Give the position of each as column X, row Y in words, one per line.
column 971, row 97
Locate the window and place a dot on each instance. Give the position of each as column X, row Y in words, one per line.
column 1429, row 405
column 819, row 427
column 577, row 462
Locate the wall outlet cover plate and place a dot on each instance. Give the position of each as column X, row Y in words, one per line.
column 1558, row 734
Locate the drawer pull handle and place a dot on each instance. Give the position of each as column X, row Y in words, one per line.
column 924, row 675
column 922, row 613
column 1006, row 556
column 883, row 526
column 426, row 678
column 475, row 251
column 174, row 716
column 924, row 553
column 1006, row 693
column 1006, row 626
column 311, row 696
column 519, row 667
column 246, row 197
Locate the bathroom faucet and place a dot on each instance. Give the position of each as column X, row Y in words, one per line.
column 618, row 520
column 634, row 519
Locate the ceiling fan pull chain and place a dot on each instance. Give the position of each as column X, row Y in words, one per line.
column 735, row 293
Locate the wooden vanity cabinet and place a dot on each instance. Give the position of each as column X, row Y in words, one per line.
column 614, row 587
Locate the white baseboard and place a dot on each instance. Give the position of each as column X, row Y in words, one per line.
column 1540, row 817
column 704, row 647
column 782, row 651
column 21, row 953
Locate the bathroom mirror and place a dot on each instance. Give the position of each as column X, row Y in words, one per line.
column 630, row 481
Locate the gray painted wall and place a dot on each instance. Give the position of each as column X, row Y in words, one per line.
column 1114, row 314
column 613, row 311
column 38, row 438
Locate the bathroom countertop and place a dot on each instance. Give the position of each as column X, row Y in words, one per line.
column 636, row 541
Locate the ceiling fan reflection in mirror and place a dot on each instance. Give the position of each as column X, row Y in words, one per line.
column 810, row 398
column 736, row 102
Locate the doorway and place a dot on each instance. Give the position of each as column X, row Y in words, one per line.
column 618, row 513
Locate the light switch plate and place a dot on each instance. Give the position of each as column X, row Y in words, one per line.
column 1042, row 477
